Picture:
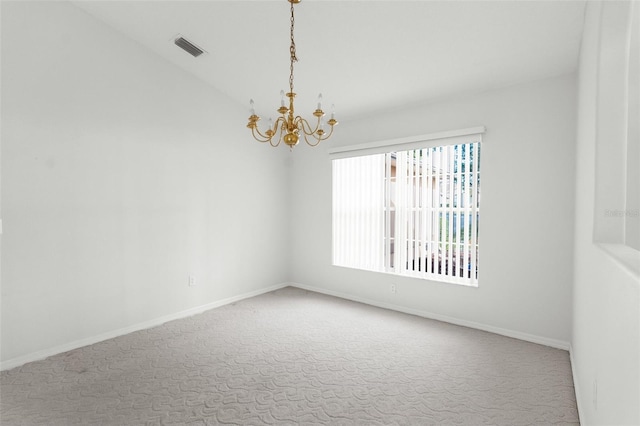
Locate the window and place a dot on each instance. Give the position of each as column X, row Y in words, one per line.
column 412, row 212
column 616, row 224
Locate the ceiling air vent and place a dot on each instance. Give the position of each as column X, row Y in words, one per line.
column 188, row 47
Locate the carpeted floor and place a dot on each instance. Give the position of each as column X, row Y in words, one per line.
column 296, row 357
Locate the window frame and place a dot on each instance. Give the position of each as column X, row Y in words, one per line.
column 427, row 143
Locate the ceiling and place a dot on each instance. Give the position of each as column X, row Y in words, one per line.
column 365, row 56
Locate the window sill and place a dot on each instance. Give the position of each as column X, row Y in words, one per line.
column 625, row 256
column 441, row 279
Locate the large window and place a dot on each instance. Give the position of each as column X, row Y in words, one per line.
column 411, row 212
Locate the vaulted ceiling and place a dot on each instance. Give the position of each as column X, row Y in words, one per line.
column 364, row 56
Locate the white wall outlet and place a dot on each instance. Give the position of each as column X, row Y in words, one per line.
column 192, row 280
column 394, row 289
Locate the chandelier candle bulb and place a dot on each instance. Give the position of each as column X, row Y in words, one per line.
column 252, row 110
column 320, row 101
column 282, row 98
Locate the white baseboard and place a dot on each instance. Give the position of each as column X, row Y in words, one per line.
column 35, row 356
column 558, row 344
column 576, row 385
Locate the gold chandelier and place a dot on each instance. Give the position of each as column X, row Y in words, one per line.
column 289, row 127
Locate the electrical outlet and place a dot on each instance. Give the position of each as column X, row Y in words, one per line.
column 192, row 280
column 393, row 289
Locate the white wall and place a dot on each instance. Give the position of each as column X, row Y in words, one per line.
column 606, row 294
column 526, row 228
column 121, row 176
column 118, row 182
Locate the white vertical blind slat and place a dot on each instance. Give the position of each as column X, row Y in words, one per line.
column 387, row 208
column 335, row 222
column 476, row 206
column 428, row 211
column 467, row 223
column 365, row 237
column 401, row 211
column 438, row 212
column 413, row 223
column 416, row 210
column 474, row 214
column 459, row 245
column 448, row 206
column 410, row 201
column 423, row 210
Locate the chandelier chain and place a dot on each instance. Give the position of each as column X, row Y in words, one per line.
column 292, row 50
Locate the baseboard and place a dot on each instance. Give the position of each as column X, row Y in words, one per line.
column 576, row 385
column 35, row 356
column 558, row 344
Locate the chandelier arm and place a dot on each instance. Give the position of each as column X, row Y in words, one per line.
column 304, row 125
column 318, row 138
column 308, row 133
column 326, row 136
column 257, row 135
column 280, row 133
column 274, row 144
column 315, row 137
column 279, row 127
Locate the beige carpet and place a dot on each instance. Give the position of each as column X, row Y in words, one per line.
column 296, row 357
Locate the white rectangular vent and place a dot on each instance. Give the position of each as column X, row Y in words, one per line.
column 188, row 47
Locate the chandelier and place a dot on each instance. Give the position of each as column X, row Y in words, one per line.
column 288, row 127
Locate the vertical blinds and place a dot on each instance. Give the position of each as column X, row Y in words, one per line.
column 358, row 199
column 413, row 212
